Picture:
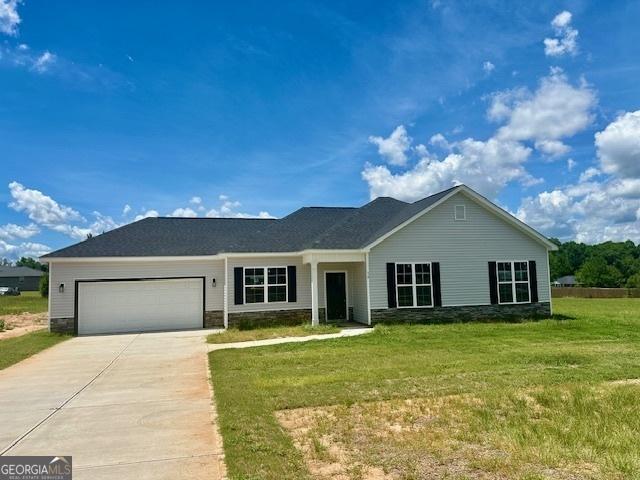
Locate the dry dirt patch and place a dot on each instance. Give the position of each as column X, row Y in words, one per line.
column 16, row 325
column 420, row 438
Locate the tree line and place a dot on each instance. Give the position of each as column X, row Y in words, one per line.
column 608, row 264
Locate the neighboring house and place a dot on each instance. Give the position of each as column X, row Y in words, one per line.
column 24, row 278
column 450, row 256
column 566, row 281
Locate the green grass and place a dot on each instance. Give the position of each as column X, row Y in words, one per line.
column 537, row 394
column 30, row 302
column 16, row 349
column 236, row 335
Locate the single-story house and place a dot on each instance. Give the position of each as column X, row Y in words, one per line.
column 24, row 278
column 566, row 281
column 448, row 256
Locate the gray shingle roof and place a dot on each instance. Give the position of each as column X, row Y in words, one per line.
column 306, row 228
column 19, row 272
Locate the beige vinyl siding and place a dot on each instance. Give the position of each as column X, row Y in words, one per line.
column 62, row 304
column 463, row 249
column 303, row 284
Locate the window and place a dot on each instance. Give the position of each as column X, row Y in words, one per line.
column 460, row 212
column 259, row 279
column 513, row 282
column 413, row 284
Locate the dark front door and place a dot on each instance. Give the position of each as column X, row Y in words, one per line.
column 336, row 296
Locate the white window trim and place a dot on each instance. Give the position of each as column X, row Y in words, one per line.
column 413, row 284
column 346, row 290
column 464, row 213
column 265, row 285
column 513, row 281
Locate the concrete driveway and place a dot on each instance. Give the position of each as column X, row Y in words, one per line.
column 132, row 406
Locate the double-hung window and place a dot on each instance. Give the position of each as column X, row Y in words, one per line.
column 265, row 284
column 413, row 284
column 513, row 282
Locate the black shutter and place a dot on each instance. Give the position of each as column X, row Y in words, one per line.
column 238, row 294
column 533, row 281
column 391, row 285
column 493, row 283
column 291, row 285
column 437, row 294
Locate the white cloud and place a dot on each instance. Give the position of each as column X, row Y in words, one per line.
column 196, row 200
column 553, row 148
column 566, row 37
column 488, row 67
column 598, row 207
column 9, row 17
column 439, row 140
column 183, row 212
column 485, row 166
column 228, row 209
column 147, row 214
column 588, row 174
column 554, row 111
column 571, row 164
column 12, row 231
column 618, row 146
column 44, row 62
column 39, row 207
column 24, row 249
column 394, row 147
column 126, row 209
column 588, row 211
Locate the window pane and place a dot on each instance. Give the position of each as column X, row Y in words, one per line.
column 522, row 292
column 521, row 271
column 404, row 274
column 506, row 294
column 278, row 294
column 254, row 294
column 277, row 275
column 504, row 271
column 423, row 274
column 254, row 276
column 405, row 296
column 423, row 296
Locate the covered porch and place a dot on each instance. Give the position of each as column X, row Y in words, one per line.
column 339, row 290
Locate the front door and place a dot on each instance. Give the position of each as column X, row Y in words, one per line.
column 336, row 286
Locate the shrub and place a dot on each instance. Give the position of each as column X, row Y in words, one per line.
column 1, row 325
column 44, row 285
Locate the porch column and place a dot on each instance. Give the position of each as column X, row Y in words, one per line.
column 314, row 293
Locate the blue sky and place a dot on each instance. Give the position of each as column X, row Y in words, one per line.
column 114, row 110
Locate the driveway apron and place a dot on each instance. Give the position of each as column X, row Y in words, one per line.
column 124, row 406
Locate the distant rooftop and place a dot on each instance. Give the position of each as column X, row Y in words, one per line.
column 19, row 272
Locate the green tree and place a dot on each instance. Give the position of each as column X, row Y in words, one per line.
column 597, row 272
column 31, row 263
column 44, row 285
column 634, row 281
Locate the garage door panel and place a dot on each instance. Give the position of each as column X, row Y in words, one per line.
column 145, row 305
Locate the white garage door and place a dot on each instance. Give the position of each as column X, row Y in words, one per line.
column 144, row 305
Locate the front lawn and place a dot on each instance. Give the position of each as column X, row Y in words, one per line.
column 235, row 335
column 31, row 302
column 550, row 399
column 13, row 350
